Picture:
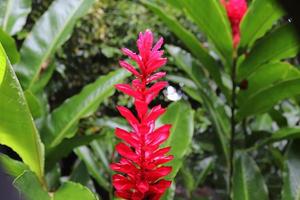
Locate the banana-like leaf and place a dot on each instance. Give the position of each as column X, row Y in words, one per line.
column 260, row 17
column 47, row 35
column 204, row 95
column 17, row 128
column 71, row 190
column 13, row 15
column 12, row 167
column 63, row 121
column 248, row 183
column 9, row 46
column 181, row 116
column 211, row 18
column 191, row 42
column 30, row 187
column 291, row 175
column 280, row 44
column 267, row 75
column 266, row 98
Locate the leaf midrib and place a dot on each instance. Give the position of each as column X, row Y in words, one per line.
column 55, row 40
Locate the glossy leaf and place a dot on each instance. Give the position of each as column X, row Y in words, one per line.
column 204, row 95
column 71, row 190
column 9, row 46
column 258, row 103
column 12, row 167
column 190, row 41
column 17, row 128
column 63, row 121
column 13, row 15
column 260, row 17
column 280, row 44
column 29, row 187
column 181, row 116
column 217, row 28
column 267, row 75
column 291, row 175
column 42, row 41
column 248, row 183
column 2, row 64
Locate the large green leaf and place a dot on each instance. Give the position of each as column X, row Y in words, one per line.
column 248, row 183
column 13, row 15
column 190, row 41
column 260, row 17
column 63, row 120
column 267, row 75
column 17, row 128
column 266, row 98
column 204, row 95
column 181, row 116
column 47, row 35
column 73, row 191
column 291, row 175
column 12, row 167
column 2, row 64
column 29, row 187
column 280, row 44
column 9, row 46
column 211, row 18
column 286, row 133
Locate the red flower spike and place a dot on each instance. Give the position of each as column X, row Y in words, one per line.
column 236, row 10
column 141, row 171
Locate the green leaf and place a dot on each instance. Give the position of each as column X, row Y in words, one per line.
column 211, row 18
column 13, row 15
column 34, row 104
column 203, row 94
column 181, row 116
column 63, row 121
column 12, row 167
column 286, row 133
column 17, row 128
column 291, row 175
column 2, row 64
column 86, row 156
column 260, row 17
column 280, row 44
column 190, row 41
column 193, row 68
column 258, row 103
column 267, row 75
column 47, row 35
column 9, row 46
column 29, row 187
column 65, row 147
column 248, row 183
column 71, row 190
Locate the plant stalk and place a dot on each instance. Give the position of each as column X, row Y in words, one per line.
column 233, row 124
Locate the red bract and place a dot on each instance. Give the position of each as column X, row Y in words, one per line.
column 142, row 158
column 236, row 10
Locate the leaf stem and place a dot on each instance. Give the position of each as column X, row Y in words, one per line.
column 233, row 124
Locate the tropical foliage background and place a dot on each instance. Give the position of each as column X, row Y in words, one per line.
column 235, row 111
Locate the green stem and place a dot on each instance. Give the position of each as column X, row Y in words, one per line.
column 233, row 124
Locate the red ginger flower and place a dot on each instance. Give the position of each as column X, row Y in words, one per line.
column 142, row 158
column 236, row 10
